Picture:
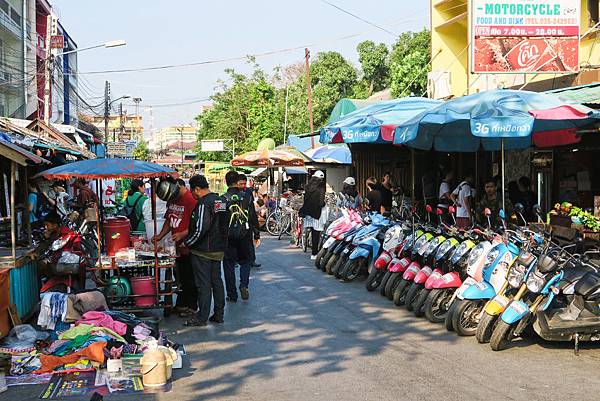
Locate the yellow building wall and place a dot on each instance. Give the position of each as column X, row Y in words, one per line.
column 450, row 48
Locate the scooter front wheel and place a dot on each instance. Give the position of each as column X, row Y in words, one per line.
column 466, row 317
column 502, row 335
column 332, row 261
column 436, row 306
column 320, row 255
column 485, row 328
column 419, row 305
column 387, row 276
column 391, row 285
column 338, row 268
column 450, row 316
column 375, row 279
column 400, row 292
column 352, row 269
column 411, row 296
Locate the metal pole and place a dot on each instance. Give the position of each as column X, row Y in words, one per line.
column 106, row 111
column 412, row 171
column 13, row 219
column 181, row 145
column 48, row 70
column 286, row 115
column 503, row 192
column 310, row 112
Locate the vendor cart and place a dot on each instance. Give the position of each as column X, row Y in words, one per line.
column 132, row 281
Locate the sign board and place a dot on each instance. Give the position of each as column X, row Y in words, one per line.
column 116, row 148
column 525, row 36
column 57, row 42
column 212, row 146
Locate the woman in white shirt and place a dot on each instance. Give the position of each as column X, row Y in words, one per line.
column 462, row 197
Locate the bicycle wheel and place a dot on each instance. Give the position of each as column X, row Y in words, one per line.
column 272, row 224
column 284, row 225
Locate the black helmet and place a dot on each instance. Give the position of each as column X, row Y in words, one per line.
column 167, row 190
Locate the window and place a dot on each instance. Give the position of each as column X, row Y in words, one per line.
column 4, row 6
column 15, row 16
column 593, row 14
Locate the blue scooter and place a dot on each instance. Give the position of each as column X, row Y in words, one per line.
column 367, row 247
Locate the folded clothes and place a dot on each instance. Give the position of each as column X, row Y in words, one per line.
column 94, row 352
column 101, row 319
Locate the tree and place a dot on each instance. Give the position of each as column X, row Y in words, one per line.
column 141, row 151
column 410, row 63
column 374, row 65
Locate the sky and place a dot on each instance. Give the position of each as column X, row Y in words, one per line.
column 167, row 32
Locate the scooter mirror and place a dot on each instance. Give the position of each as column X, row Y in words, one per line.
column 487, row 212
column 451, row 209
column 429, row 208
column 439, row 211
column 537, row 209
column 519, row 208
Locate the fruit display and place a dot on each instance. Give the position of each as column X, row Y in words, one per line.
column 578, row 216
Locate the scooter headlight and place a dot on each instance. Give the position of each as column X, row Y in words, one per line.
column 515, row 278
column 475, row 254
column 443, row 249
column 491, row 257
column 535, row 283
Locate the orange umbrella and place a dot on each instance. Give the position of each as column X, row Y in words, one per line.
column 268, row 158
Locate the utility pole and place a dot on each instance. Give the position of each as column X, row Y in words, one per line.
column 286, row 115
column 106, row 110
column 51, row 29
column 121, row 125
column 310, row 113
column 137, row 100
column 181, row 145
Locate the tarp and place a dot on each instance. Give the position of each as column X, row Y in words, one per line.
column 347, row 106
column 519, row 118
column 107, row 168
column 339, row 154
column 375, row 123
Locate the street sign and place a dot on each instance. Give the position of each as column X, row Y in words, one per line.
column 217, row 145
column 57, row 42
column 531, row 37
column 116, row 148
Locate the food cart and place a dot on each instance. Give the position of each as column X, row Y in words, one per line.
column 134, row 278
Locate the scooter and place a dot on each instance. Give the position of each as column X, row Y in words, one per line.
column 394, row 237
column 64, row 265
column 399, row 263
column 372, row 224
column 366, row 249
column 337, row 231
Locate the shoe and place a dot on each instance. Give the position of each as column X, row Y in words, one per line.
column 245, row 293
column 255, row 264
column 216, row 319
column 194, row 322
column 313, row 257
column 231, row 299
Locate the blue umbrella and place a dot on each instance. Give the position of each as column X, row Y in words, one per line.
column 107, row 168
column 330, row 154
column 491, row 119
column 375, row 123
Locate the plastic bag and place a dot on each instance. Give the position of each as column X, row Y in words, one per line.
column 22, row 336
column 69, row 257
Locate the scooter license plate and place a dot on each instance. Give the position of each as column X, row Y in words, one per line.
column 346, row 251
column 501, row 300
column 519, row 307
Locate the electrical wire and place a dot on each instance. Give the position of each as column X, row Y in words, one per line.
column 361, row 19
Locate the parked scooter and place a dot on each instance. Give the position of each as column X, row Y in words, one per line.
column 393, row 239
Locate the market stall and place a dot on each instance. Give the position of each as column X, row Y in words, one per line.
column 135, row 274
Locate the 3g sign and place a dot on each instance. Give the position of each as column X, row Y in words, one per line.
column 481, row 129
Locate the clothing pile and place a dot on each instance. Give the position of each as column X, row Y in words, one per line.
column 76, row 333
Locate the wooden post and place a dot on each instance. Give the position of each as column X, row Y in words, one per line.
column 156, row 269
column 13, row 219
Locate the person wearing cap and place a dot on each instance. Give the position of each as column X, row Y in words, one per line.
column 59, row 199
column 351, row 195
column 313, row 209
column 207, row 240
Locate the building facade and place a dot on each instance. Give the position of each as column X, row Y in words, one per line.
column 453, row 61
column 163, row 138
column 13, row 79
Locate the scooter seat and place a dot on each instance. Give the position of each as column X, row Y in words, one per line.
column 588, row 285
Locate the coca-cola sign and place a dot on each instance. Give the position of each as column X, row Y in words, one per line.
column 525, row 36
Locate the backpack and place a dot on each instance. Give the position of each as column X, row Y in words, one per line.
column 237, row 207
column 129, row 212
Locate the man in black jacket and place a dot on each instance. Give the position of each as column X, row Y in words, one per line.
column 243, row 229
column 207, row 240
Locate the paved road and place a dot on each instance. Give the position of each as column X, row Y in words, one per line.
column 305, row 336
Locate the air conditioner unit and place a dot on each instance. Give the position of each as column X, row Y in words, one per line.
column 439, row 85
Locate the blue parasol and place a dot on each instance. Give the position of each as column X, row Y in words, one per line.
column 330, row 154
column 375, row 123
column 107, row 168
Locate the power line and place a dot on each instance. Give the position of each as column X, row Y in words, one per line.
column 360, row 18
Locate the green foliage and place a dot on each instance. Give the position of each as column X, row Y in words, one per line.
column 374, row 65
column 141, row 151
column 409, row 63
column 249, row 108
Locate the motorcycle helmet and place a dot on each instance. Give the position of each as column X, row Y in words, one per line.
column 167, row 190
